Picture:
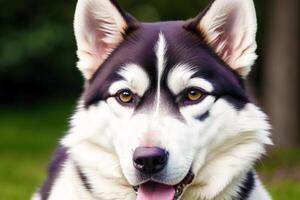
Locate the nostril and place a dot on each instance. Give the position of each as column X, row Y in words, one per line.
column 161, row 160
column 150, row 160
column 139, row 161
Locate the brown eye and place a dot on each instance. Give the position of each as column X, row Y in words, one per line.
column 194, row 95
column 125, row 96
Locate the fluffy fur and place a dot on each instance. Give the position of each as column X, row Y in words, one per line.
column 230, row 28
column 218, row 138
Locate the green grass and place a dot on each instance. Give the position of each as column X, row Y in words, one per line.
column 28, row 137
column 280, row 171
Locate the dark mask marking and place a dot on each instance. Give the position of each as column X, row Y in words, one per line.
column 203, row 117
column 182, row 47
column 247, row 186
column 54, row 169
column 83, row 178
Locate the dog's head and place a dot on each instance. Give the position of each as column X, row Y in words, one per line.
column 164, row 104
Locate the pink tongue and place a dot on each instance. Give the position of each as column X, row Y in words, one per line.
column 155, row 191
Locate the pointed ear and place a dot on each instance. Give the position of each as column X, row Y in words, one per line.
column 229, row 27
column 100, row 26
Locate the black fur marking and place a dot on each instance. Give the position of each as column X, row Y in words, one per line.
column 182, row 47
column 247, row 186
column 237, row 103
column 53, row 172
column 186, row 47
column 192, row 24
column 131, row 22
column 203, row 117
column 83, row 179
column 137, row 48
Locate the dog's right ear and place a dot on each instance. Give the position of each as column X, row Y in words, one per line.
column 229, row 28
column 100, row 26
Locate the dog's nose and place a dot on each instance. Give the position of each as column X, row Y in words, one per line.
column 150, row 160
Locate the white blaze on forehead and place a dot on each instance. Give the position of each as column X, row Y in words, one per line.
column 160, row 50
column 181, row 77
column 136, row 79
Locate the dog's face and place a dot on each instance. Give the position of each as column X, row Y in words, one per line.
column 164, row 104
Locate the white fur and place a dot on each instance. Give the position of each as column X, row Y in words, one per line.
column 36, row 197
column 136, row 79
column 224, row 148
column 180, row 78
column 68, row 185
column 236, row 140
column 197, row 110
column 220, row 150
column 160, row 50
column 98, row 30
column 230, row 27
column 259, row 191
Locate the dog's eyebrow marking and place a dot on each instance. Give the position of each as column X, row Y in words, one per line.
column 200, row 82
column 136, row 79
column 160, row 50
column 181, row 77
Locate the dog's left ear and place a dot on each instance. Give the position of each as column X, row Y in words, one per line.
column 229, row 27
column 100, row 26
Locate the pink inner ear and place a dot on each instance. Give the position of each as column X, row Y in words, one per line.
column 230, row 28
column 98, row 28
column 226, row 41
column 100, row 40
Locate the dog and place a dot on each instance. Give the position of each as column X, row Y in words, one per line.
column 164, row 114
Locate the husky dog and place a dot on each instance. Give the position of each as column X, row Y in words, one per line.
column 164, row 114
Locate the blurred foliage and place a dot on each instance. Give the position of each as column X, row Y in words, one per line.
column 28, row 138
column 37, row 51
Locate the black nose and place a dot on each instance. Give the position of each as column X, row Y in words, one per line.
column 150, row 160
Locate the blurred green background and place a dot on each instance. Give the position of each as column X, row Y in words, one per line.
column 39, row 85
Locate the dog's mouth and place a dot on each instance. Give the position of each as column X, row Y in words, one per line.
column 158, row 191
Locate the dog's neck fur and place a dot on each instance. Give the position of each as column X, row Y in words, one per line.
column 243, row 187
column 240, row 189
